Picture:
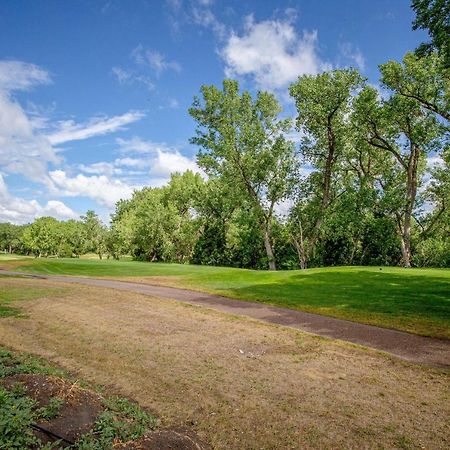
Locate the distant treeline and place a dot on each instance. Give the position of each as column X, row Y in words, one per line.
column 357, row 185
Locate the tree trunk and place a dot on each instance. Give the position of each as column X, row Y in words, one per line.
column 301, row 250
column 268, row 246
column 411, row 192
column 406, row 252
column 326, row 190
column 301, row 254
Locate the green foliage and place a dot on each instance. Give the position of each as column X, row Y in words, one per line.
column 434, row 16
column 16, row 416
column 365, row 195
column 433, row 252
column 242, row 143
column 51, row 410
column 121, row 421
column 11, row 237
column 422, row 79
column 159, row 224
column 94, row 233
column 14, row 364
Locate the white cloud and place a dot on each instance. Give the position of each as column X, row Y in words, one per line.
column 27, row 139
column 162, row 160
column 100, row 168
column 20, row 76
column 153, row 59
column 18, row 210
column 132, row 162
column 104, row 190
column 353, row 54
column 166, row 163
column 123, row 76
column 131, row 77
column 202, row 15
column 273, row 53
column 173, row 103
column 138, row 145
column 68, row 130
column 22, row 148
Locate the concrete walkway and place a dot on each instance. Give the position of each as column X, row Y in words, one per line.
column 410, row 347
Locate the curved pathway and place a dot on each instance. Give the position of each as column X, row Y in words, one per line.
column 410, row 347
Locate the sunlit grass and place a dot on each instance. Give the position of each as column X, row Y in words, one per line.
column 415, row 300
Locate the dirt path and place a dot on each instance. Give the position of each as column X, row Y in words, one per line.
column 410, row 347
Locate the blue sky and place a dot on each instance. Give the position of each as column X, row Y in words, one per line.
column 94, row 94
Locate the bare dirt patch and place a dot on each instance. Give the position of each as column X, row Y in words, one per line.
column 79, row 409
column 240, row 383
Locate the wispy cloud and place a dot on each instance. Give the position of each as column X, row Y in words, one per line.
column 353, row 55
column 130, row 77
column 203, row 15
column 68, row 130
column 153, row 59
column 20, row 76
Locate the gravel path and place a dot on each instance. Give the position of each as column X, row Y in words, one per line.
column 410, row 347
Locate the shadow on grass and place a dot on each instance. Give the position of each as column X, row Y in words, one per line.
column 363, row 292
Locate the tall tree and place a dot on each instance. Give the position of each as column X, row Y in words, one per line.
column 434, row 16
column 323, row 103
column 406, row 133
column 95, row 233
column 423, row 79
column 43, row 236
column 242, row 141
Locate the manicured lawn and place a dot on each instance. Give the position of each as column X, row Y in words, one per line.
column 414, row 300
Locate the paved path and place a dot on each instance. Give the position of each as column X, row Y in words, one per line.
column 410, row 347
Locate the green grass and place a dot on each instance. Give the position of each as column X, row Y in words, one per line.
column 414, row 300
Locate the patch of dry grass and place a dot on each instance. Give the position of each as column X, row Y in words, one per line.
column 240, row 383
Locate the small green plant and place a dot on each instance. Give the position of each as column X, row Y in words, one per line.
column 13, row 364
column 16, row 416
column 121, row 421
column 51, row 410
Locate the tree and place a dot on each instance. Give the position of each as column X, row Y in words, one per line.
column 42, row 237
column 95, row 233
column 434, row 16
column 158, row 224
column 215, row 207
column 406, row 133
column 10, row 237
column 323, row 103
column 242, row 142
column 433, row 248
column 422, row 79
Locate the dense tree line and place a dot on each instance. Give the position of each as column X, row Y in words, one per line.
column 47, row 237
column 368, row 196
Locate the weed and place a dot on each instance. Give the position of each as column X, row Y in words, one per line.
column 121, row 421
column 13, row 364
column 51, row 410
column 16, row 416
